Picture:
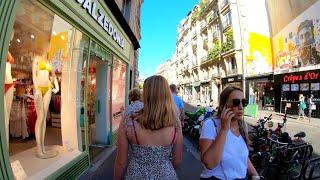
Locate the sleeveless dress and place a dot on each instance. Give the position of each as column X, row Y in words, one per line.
column 150, row 162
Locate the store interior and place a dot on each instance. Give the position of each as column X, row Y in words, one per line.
column 38, row 74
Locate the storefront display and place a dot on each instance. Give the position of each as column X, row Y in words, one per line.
column 64, row 72
column 294, row 84
column 41, row 49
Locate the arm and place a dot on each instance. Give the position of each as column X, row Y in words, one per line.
column 181, row 106
column 182, row 116
column 251, row 170
column 212, row 149
column 121, row 161
column 177, row 148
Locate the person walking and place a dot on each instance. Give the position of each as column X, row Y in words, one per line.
column 310, row 105
column 302, row 106
column 154, row 136
column 179, row 103
column 224, row 140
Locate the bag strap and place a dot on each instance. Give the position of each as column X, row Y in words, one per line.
column 220, row 163
column 135, row 133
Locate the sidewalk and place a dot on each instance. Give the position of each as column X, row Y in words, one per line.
column 189, row 169
column 293, row 126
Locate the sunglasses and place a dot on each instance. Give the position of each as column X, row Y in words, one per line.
column 236, row 102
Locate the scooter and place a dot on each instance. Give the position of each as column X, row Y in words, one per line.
column 197, row 125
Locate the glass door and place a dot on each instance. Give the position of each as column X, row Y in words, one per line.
column 98, row 100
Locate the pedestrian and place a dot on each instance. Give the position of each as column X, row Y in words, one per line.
column 135, row 103
column 224, row 140
column 154, row 136
column 179, row 103
column 302, row 106
column 310, row 104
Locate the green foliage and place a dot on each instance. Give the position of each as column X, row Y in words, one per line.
column 228, row 44
column 203, row 4
column 194, row 16
column 215, row 51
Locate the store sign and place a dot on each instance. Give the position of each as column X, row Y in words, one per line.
column 290, row 78
column 100, row 17
column 234, row 79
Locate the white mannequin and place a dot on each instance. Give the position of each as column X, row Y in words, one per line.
column 42, row 99
column 8, row 94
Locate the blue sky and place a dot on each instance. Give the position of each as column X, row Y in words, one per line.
column 159, row 21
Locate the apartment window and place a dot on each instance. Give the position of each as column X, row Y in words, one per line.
column 126, row 9
column 233, row 63
column 227, row 19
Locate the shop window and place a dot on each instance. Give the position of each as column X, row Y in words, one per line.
column 118, row 91
column 44, row 92
column 233, row 63
column 126, row 9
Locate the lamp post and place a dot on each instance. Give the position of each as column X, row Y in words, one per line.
column 242, row 58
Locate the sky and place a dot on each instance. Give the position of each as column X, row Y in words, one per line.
column 159, row 22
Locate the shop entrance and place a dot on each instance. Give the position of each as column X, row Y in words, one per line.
column 98, row 100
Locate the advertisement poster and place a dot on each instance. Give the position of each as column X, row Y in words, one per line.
column 298, row 44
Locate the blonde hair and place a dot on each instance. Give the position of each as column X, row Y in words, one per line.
column 158, row 111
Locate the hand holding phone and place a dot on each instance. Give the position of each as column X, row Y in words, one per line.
column 226, row 116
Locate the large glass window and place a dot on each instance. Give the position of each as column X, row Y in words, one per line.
column 44, row 96
column 118, row 91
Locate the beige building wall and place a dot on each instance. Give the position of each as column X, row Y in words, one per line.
column 282, row 12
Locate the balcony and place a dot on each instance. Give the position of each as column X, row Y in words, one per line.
column 226, row 24
column 212, row 17
column 224, row 4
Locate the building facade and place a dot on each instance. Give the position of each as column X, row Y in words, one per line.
column 131, row 10
column 166, row 70
column 243, row 43
column 296, row 52
column 65, row 66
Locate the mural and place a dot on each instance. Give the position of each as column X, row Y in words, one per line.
column 298, row 44
column 258, row 52
column 259, row 55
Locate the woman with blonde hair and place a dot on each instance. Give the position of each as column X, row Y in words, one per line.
column 154, row 136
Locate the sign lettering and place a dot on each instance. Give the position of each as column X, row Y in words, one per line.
column 290, row 78
column 100, row 17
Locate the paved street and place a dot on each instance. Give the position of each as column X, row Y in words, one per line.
column 189, row 169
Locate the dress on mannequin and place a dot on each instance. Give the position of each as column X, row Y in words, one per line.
column 41, row 71
column 8, row 93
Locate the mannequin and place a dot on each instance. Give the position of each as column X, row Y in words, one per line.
column 41, row 71
column 8, row 91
